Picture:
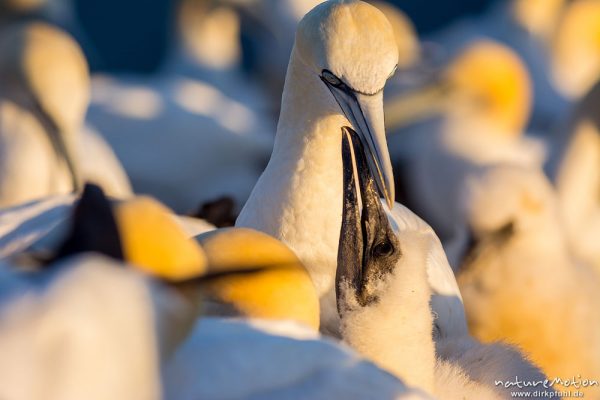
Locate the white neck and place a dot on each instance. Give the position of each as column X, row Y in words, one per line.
column 396, row 331
column 298, row 198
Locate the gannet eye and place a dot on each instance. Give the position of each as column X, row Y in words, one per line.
column 331, row 78
column 383, row 249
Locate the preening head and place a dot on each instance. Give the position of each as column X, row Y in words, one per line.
column 351, row 47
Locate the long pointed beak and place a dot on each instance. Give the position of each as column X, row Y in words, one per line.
column 365, row 113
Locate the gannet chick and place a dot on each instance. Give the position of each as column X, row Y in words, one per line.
column 343, row 54
column 573, row 168
column 383, row 298
column 483, row 100
column 45, row 93
column 520, row 283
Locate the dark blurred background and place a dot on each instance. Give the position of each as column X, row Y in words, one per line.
column 137, row 42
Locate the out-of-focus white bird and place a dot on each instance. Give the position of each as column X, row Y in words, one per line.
column 87, row 329
column 574, row 168
column 521, row 281
column 197, row 130
column 224, row 359
column 575, row 50
column 45, row 92
column 384, row 299
column 335, row 80
column 482, row 103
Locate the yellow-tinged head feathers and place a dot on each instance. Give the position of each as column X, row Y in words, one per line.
column 493, row 83
column 275, row 285
column 576, row 48
column 350, row 38
column 153, row 241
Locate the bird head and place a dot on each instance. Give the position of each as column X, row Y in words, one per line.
column 350, row 46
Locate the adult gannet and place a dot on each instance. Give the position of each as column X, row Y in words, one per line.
column 44, row 94
column 483, row 100
column 521, row 283
column 383, row 298
column 343, row 54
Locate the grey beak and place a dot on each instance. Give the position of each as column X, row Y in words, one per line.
column 365, row 113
